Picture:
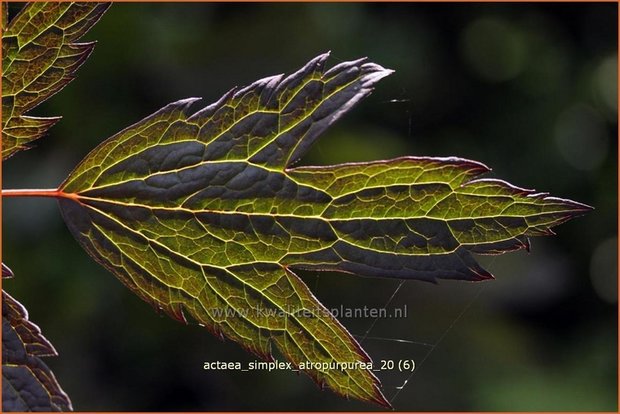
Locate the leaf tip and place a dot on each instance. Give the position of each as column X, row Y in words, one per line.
column 6, row 272
column 188, row 101
column 481, row 274
column 577, row 207
column 380, row 399
column 374, row 72
column 570, row 209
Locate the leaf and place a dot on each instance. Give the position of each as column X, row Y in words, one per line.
column 5, row 15
column 202, row 215
column 39, row 57
column 27, row 383
column 6, row 272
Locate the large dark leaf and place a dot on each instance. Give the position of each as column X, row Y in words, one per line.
column 39, row 57
column 202, row 215
column 27, row 383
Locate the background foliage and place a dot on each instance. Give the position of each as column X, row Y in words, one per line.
column 528, row 89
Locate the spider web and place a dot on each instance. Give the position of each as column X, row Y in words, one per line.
column 429, row 347
column 433, row 311
column 417, row 336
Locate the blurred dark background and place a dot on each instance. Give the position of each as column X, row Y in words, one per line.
column 528, row 89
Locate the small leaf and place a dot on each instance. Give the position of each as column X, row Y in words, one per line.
column 6, row 272
column 27, row 383
column 40, row 57
column 201, row 215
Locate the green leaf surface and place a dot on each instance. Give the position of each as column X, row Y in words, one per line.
column 202, row 215
column 39, row 57
column 27, row 383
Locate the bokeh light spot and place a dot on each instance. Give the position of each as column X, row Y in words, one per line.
column 581, row 137
column 606, row 83
column 494, row 49
column 604, row 270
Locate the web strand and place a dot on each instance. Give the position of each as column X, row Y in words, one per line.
column 403, row 341
column 433, row 346
column 374, row 322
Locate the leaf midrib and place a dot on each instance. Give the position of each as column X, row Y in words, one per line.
column 320, row 217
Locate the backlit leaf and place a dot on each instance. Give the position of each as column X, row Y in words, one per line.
column 6, row 272
column 39, row 57
column 27, row 383
column 202, row 215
